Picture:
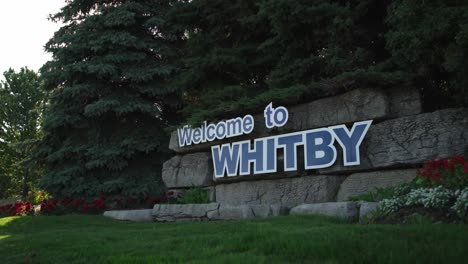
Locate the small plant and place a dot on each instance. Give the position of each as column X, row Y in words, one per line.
column 451, row 173
column 196, row 195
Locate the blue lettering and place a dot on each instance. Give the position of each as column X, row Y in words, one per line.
column 319, row 151
column 350, row 141
column 225, row 159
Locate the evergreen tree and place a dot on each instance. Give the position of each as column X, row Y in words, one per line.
column 429, row 40
column 104, row 129
column 246, row 53
column 242, row 54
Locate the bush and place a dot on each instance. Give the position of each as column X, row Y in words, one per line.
column 461, row 204
column 196, row 195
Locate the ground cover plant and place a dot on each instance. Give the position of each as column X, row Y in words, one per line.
column 438, row 193
column 293, row 239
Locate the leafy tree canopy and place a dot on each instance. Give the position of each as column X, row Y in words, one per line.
column 21, row 109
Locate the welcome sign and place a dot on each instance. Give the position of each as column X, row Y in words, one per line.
column 236, row 159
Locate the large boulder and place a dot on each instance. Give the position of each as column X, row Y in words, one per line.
column 355, row 105
column 183, row 212
column 361, row 183
column 347, row 210
column 289, row 192
column 411, row 140
column 188, row 170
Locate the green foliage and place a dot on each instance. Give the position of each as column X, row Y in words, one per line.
column 104, row 128
column 22, row 102
column 429, row 40
column 247, row 53
column 195, row 195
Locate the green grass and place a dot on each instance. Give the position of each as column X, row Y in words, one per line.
column 292, row 239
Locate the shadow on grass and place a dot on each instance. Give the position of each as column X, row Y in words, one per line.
column 91, row 239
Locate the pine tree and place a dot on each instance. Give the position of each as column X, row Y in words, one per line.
column 243, row 54
column 104, row 129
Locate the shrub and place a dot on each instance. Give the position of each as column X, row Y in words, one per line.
column 461, row 204
column 195, row 195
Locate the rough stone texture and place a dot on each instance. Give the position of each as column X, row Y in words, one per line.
column 214, row 211
column 142, row 215
column 366, row 209
column 183, row 212
column 289, row 192
column 411, row 140
column 361, row 183
column 348, row 210
column 188, row 170
column 404, row 101
column 355, row 105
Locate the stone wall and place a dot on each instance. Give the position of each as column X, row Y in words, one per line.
column 399, row 140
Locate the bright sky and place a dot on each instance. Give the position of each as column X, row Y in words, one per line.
column 24, row 30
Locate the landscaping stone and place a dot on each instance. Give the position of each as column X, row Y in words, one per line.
column 188, row 170
column 183, row 212
column 362, row 183
column 141, row 215
column 366, row 210
column 288, row 192
column 411, row 140
column 347, row 210
column 355, row 105
column 404, row 101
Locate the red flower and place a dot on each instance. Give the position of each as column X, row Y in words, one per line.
column 77, row 203
column 103, row 197
column 28, row 206
column 465, row 168
column 147, row 196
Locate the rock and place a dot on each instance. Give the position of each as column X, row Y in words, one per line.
column 411, row 140
column 188, row 170
column 362, row 183
column 235, row 212
column 141, row 215
column 183, row 212
column 288, row 192
column 355, row 105
column 366, row 209
column 347, row 210
column 228, row 212
column 404, row 101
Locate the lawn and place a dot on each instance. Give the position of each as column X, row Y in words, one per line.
column 293, row 239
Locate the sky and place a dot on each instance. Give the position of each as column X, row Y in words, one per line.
column 24, row 30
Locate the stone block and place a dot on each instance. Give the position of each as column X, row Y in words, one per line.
column 141, row 215
column 188, row 170
column 411, row 140
column 288, row 192
column 362, row 183
column 183, row 212
column 404, row 101
column 347, row 210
